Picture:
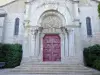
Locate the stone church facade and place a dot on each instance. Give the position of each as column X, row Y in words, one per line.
column 50, row 31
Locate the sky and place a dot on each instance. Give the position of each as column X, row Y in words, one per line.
column 2, row 2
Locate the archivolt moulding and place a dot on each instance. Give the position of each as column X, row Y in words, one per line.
column 52, row 18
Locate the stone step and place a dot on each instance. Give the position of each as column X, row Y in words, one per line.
column 54, row 69
column 52, row 66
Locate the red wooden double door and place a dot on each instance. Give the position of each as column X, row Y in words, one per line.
column 51, row 47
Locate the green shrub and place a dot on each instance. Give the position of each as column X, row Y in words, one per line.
column 2, row 54
column 12, row 55
column 99, row 9
column 91, row 55
column 96, row 64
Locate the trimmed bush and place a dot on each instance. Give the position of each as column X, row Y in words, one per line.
column 92, row 56
column 2, row 54
column 12, row 55
column 97, row 64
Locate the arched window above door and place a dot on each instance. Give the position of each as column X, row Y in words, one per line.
column 88, row 25
column 16, row 31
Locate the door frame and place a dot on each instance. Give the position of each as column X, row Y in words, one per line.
column 51, row 51
column 62, row 48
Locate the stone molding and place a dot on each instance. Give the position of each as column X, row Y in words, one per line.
column 96, row 1
column 53, row 14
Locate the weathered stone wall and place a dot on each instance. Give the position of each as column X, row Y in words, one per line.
column 71, row 11
column 13, row 10
column 89, row 10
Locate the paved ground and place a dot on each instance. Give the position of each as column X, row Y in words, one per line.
column 49, row 70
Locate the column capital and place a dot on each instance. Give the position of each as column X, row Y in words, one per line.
column 64, row 29
column 35, row 29
column 40, row 29
column 75, row 1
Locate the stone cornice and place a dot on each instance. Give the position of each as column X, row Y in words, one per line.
column 96, row 1
column 2, row 13
column 30, row 1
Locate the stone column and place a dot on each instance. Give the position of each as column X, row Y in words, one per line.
column 38, row 42
column 71, row 42
column 62, row 35
column 40, row 33
column 33, row 40
column 76, row 9
column 27, row 11
column 34, row 44
column 68, row 41
column 65, row 42
column 26, row 42
column 26, row 39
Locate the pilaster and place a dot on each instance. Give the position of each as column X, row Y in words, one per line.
column 76, row 9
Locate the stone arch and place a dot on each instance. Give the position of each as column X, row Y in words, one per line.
column 42, row 8
column 52, row 18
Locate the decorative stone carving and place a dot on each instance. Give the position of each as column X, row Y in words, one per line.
column 51, row 21
column 51, row 18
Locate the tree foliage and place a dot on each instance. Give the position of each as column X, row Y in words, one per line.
column 99, row 10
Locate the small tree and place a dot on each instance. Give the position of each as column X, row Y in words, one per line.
column 99, row 10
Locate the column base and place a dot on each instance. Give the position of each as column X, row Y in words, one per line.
column 30, row 59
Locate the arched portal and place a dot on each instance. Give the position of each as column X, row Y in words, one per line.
column 51, row 36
